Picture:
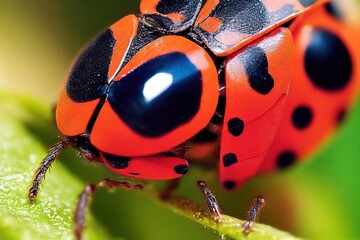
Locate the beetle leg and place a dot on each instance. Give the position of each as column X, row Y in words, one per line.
column 44, row 166
column 211, row 201
column 171, row 186
column 85, row 196
column 252, row 215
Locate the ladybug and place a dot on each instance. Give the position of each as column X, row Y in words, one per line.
column 259, row 83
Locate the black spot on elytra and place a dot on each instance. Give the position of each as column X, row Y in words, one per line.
column 235, row 126
column 134, row 173
column 181, row 169
column 116, row 161
column 229, row 185
column 176, row 104
column 302, row 117
column 88, row 77
column 307, row 3
column 327, row 61
column 286, row 159
column 256, row 66
column 229, row 159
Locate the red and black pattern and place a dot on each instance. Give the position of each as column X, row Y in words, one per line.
column 254, row 80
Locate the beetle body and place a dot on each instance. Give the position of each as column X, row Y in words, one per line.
column 262, row 83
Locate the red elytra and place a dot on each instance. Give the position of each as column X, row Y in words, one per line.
column 261, row 83
column 136, row 144
column 323, row 104
column 124, row 30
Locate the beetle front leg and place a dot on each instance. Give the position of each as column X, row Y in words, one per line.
column 211, row 201
column 253, row 213
column 85, row 196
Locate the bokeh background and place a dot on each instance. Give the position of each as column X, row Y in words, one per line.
column 319, row 199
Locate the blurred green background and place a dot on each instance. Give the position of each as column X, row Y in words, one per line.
column 318, row 199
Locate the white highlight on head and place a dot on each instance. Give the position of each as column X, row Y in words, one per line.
column 156, row 85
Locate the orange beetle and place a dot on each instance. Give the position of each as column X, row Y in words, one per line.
column 260, row 82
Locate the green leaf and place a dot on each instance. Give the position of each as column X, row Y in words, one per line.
column 24, row 123
column 229, row 227
column 27, row 131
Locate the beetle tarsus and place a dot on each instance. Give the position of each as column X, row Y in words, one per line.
column 253, row 214
column 44, row 167
column 80, row 209
column 211, row 201
column 84, row 201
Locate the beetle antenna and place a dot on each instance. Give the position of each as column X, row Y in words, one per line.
column 44, row 167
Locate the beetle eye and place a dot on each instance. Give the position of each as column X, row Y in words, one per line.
column 88, row 77
column 159, row 95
